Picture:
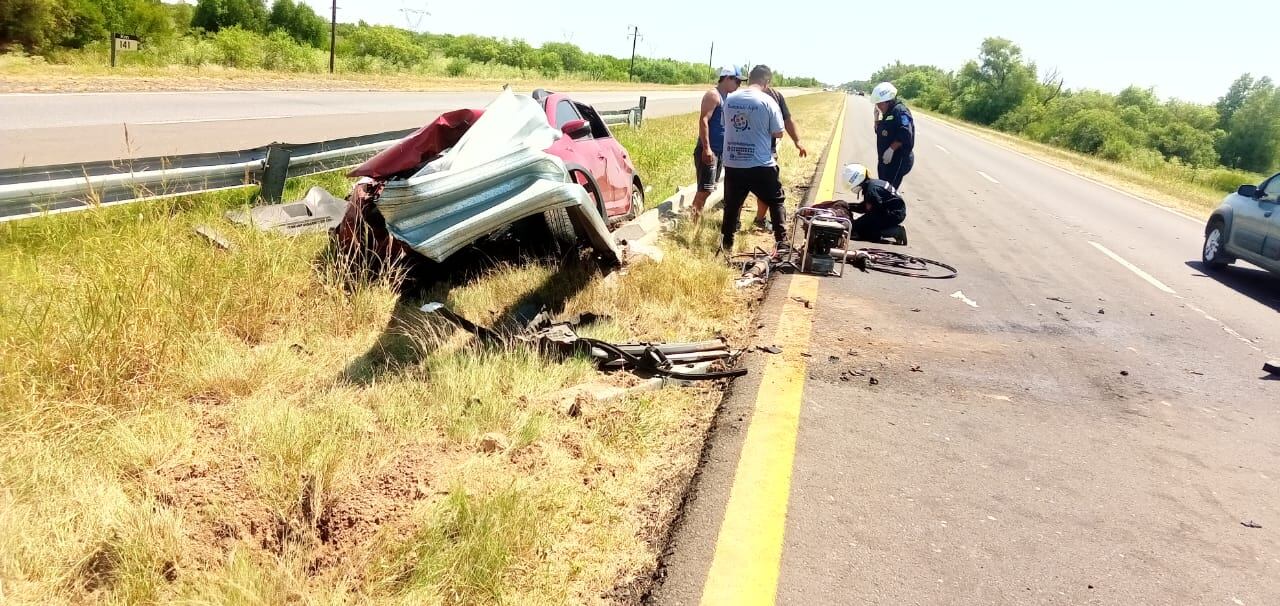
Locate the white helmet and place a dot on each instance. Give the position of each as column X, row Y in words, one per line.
column 853, row 174
column 884, row 92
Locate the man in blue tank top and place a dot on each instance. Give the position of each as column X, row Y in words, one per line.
column 707, row 156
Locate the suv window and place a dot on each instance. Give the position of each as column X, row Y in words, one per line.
column 1272, row 188
column 565, row 112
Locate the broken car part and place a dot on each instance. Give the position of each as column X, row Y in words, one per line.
column 666, row 360
column 318, row 211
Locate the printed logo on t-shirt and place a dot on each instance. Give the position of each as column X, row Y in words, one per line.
column 740, row 122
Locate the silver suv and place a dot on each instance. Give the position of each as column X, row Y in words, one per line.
column 1246, row 226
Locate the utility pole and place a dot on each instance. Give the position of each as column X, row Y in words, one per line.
column 333, row 34
column 633, row 32
column 712, row 59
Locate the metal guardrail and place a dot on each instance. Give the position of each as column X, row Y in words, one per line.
column 33, row 191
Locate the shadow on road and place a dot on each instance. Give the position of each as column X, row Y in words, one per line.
column 1260, row 285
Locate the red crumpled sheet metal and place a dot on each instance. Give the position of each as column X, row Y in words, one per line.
column 420, row 147
column 362, row 236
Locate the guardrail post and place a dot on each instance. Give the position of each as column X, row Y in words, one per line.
column 640, row 110
column 274, row 174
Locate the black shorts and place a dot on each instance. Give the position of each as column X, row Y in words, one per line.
column 708, row 176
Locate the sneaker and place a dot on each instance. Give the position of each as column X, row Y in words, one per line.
column 760, row 225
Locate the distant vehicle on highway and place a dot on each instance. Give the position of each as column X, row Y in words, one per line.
column 1246, row 226
column 612, row 178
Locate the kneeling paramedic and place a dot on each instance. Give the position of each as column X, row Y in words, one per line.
column 895, row 135
column 883, row 210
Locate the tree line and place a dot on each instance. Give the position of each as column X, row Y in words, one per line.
column 288, row 35
column 1005, row 90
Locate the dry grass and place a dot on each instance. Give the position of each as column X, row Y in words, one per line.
column 1166, row 185
column 185, row 424
column 22, row 75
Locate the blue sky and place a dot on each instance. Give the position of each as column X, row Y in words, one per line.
column 1190, row 50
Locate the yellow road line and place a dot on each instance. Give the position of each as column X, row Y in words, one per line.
column 744, row 570
column 827, row 186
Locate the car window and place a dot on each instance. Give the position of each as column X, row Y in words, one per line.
column 1272, row 188
column 598, row 128
column 565, row 112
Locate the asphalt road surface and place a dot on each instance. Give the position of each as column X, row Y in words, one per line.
column 60, row 128
column 1094, row 429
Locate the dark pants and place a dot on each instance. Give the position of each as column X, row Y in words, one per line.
column 764, row 182
column 894, row 171
column 872, row 225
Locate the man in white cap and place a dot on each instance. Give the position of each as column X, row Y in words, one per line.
column 895, row 135
column 708, row 155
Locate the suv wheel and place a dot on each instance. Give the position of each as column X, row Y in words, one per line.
column 1215, row 239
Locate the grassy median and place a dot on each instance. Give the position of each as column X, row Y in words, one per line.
column 183, row 423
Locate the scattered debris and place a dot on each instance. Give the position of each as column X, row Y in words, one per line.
column 916, row 368
column 494, row 442
column 1251, row 524
column 1124, row 373
column 959, row 294
column 929, row 288
column 1272, row 368
column 807, row 303
column 805, row 354
column 833, row 358
column 1058, row 299
column 318, row 211
column 770, row 349
column 915, row 309
column 1101, row 311
column 215, row 237
column 874, row 381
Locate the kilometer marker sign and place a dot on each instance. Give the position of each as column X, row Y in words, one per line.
column 123, row 43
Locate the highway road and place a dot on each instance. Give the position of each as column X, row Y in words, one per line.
column 60, row 128
column 1092, row 427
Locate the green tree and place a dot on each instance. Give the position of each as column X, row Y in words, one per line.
column 213, row 15
column 299, row 21
column 999, row 81
column 1252, row 141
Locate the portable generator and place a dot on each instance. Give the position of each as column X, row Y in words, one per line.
column 821, row 230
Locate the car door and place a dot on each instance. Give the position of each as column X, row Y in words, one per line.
column 1269, row 204
column 583, row 150
column 1251, row 220
column 617, row 165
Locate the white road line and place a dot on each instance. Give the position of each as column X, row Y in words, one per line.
column 1072, row 173
column 988, row 177
column 1133, row 268
column 202, row 120
column 944, row 150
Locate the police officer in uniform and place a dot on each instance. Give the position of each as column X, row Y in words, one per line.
column 895, row 135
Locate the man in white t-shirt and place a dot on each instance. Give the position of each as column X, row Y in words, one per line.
column 752, row 121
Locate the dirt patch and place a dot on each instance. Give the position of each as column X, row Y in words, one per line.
column 379, row 507
column 219, row 509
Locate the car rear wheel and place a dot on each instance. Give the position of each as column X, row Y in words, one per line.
column 1215, row 238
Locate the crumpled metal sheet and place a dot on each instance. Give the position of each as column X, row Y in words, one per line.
column 439, row 213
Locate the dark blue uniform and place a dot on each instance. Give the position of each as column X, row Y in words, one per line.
column 882, row 209
column 897, row 125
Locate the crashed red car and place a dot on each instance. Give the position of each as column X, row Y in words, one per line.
column 594, row 157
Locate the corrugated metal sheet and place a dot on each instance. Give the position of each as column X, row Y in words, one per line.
column 438, row 213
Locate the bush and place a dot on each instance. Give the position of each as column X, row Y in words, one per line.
column 457, row 67
column 281, row 53
column 239, row 48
